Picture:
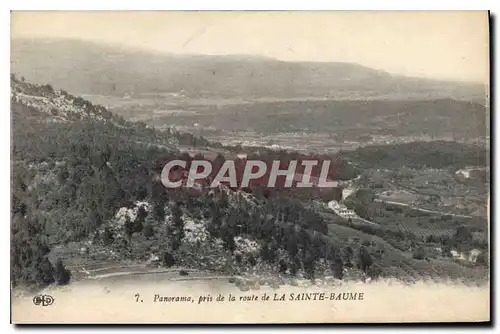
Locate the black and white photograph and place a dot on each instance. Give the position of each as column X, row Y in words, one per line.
column 208, row 167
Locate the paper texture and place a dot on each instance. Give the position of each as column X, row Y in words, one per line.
column 110, row 108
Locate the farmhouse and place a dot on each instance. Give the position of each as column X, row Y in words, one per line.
column 341, row 210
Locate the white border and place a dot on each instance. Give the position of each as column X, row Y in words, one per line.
column 255, row 5
column 177, row 5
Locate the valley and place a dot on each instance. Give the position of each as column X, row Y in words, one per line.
column 308, row 124
column 87, row 197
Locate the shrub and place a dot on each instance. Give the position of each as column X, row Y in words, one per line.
column 282, row 266
column 148, row 231
column 167, row 259
column 419, row 253
column 48, row 88
column 61, row 274
column 375, row 271
column 365, row 259
column 107, row 237
column 482, row 259
column 43, row 272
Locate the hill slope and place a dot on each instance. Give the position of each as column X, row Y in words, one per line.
column 84, row 175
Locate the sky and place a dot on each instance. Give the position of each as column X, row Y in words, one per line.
column 441, row 45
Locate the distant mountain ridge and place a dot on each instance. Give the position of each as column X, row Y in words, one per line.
column 90, row 68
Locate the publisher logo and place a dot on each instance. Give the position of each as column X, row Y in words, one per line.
column 43, row 300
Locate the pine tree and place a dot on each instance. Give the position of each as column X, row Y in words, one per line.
column 309, row 265
column 167, row 259
column 142, row 214
column 107, row 237
column 148, row 230
column 177, row 226
column 337, row 266
column 215, row 220
column 61, row 274
column 348, row 254
column 29, row 254
column 365, row 259
column 129, row 227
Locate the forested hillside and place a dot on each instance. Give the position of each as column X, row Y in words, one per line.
column 72, row 176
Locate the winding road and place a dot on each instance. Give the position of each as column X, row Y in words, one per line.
column 422, row 210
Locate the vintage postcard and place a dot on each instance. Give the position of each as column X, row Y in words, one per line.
column 250, row 167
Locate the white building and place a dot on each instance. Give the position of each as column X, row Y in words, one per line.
column 463, row 172
column 341, row 210
column 242, row 156
column 473, row 254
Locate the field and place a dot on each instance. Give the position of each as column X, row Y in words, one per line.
column 307, row 124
